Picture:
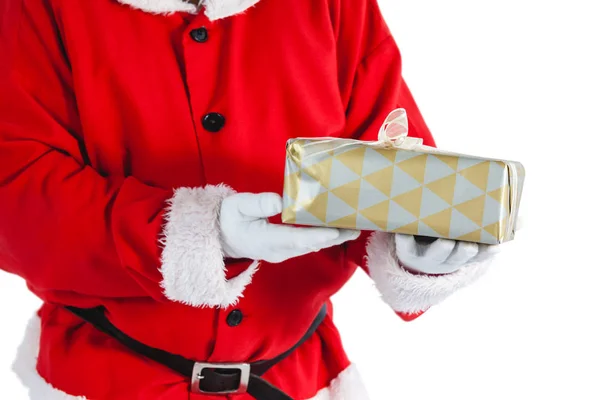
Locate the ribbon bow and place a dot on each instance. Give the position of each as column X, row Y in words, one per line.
column 394, row 132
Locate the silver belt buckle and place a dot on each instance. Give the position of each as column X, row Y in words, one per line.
column 244, row 377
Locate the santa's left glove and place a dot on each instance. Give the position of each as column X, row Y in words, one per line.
column 414, row 275
column 440, row 256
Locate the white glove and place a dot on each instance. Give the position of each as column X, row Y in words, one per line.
column 442, row 256
column 246, row 233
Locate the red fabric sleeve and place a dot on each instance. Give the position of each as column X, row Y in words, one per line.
column 378, row 89
column 372, row 85
column 65, row 228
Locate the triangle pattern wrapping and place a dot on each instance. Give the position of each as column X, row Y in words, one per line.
column 492, row 211
column 390, row 154
column 318, row 207
column 297, row 164
column 460, row 225
column 474, row 236
column 504, row 211
column 487, row 238
column 336, row 208
column 497, row 230
column 369, row 195
column 408, row 229
column 498, row 176
column 382, row 180
column 436, row 169
column 374, row 161
column 366, row 224
column 291, row 167
column 341, row 174
column 503, row 225
column 309, row 160
column 451, row 161
column 348, row 222
column 493, row 230
column 287, row 201
column 349, row 193
column 341, row 148
column 500, row 195
column 402, row 155
column 398, row 217
column 465, row 190
column 411, row 201
column 425, row 230
column 353, row 158
column 377, row 214
column 478, row 174
column 439, row 222
column 444, row 187
column 294, row 152
column 320, row 171
column 291, row 186
column 465, row 162
column 431, row 204
column 351, row 185
column 403, row 182
column 320, row 147
column 289, row 215
column 473, row 209
column 415, row 166
column 308, row 189
column 303, row 217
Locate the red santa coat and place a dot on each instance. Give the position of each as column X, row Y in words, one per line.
column 118, row 123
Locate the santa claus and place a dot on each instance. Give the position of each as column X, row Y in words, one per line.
column 141, row 143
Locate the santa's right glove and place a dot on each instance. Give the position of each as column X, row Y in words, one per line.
column 206, row 225
column 441, row 256
column 246, row 233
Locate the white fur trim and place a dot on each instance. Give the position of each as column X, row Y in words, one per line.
column 193, row 267
column 162, row 6
column 25, row 363
column 218, row 9
column 407, row 292
column 214, row 9
column 347, row 386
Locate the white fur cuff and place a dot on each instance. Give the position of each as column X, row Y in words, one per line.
column 214, row 9
column 406, row 292
column 193, row 267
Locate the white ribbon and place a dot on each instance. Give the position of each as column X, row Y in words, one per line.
column 394, row 132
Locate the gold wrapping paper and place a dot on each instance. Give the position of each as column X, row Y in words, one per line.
column 424, row 191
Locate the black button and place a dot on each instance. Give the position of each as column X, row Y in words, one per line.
column 200, row 35
column 234, row 318
column 213, row 122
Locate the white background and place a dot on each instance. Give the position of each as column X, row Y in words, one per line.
column 513, row 79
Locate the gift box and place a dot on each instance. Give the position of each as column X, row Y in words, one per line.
column 396, row 184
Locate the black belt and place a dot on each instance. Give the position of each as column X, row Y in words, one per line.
column 206, row 378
